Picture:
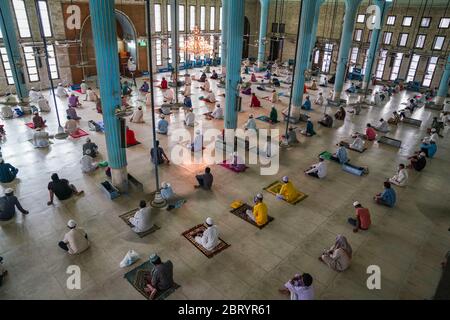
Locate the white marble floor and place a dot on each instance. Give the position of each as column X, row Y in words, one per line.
column 408, row 242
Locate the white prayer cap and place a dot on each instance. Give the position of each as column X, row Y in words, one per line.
column 235, row 153
column 88, row 151
column 423, row 154
column 71, row 223
column 32, row 88
column 9, row 191
column 259, row 196
column 60, row 84
column 88, row 139
column 285, row 179
column 250, row 115
column 198, row 131
column 433, row 130
column 165, row 185
column 356, row 203
column 209, row 221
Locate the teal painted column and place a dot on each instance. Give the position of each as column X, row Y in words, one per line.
column 105, row 41
column 174, row 22
column 443, row 85
column 375, row 40
column 263, row 30
column 314, row 31
column 224, row 26
column 235, row 33
column 351, row 8
column 301, row 60
column 12, row 47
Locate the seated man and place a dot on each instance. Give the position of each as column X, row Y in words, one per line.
column 327, row 121
column 370, row 134
column 273, row 115
column 43, row 105
column 76, row 240
column 438, row 125
column 211, row 97
column 217, row 113
column 292, row 136
column 208, row 239
column 318, row 170
column 247, row 91
column 145, row 87
column 187, row 102
column 313, row 85
column 214, row 75
column 387, row 197
column 253, row 78
column 319, row 100
column 383, row 126
column 71, row 126
column 169, row 96
column 189, row 118
column 429, row 148
column 91, row 146
column 72, row 113
column 307, row 104
column 138, row 116
column 73, row 101
column 287, row 191
column 309, row 132
column 160, row 278
column 167, row 191
column 41, row 139
column 158, row 156
column 340, row 155
column 197, row 145
column 91, row 95
column 83, row 87
column 205, row 180
column 8, row 203
column 351, row 89
column 130, row 137
column 274, row 96
column 126, row 90
column 60, row 91
column 187, row 91
column 251, row 123
column 395, row 119
column 142, row 219
column 357, row 144
column 356, row 109
column 98, row 106
column 87, row 162
column 340, row 114
column 276, row 82
column 38, row 122
column 237, row 163
column 61, row 188
column 163, row 85
column 162, row 125
column 401, row 177
column 299, row 287
column 202, row 78
column 362, row 221
column 34, row 95
column 255, row 103
column 418, row 161
column 259, row 213
column 206, row 87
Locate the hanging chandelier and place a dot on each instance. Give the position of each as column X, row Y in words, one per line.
column 196, row 44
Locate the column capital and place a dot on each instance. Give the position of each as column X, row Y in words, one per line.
column 264, row 3
column 352, row 4
column 380, row 3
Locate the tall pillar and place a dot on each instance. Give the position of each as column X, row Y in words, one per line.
column 105, row 42
column 224, row 27
column 235, row 33
column 375, row 40
column 12, row 48
column 443, row 85
column 301, row 60
column 263, row 30
column 314, row 30
column 174, row 22
column 351, row 8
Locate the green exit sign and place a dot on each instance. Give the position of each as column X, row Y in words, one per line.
column 142, row 43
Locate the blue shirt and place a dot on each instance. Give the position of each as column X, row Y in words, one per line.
column 307, row 105
column 7, row 172
column 431, row 148
column 162, row 126
column 167, row 193
column 188, row 102
column 341, row 154
column 388, row 197
column 310, row 128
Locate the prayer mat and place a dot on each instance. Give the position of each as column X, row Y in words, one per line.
column 31, row 125
column 103, row 164
column 266, row 98
column 132, row 145
column 326, row 155
column 136, row 278
column 433, row 106
column 390, row 141
column 79, row 133
column 126, row 217
column 199, row 228
column 347, row 145
column 347, row 167
column 266, row 119
column 236, row 204
column 230, row 167
column 275, row 188
column 241, row 213
column 411, row 121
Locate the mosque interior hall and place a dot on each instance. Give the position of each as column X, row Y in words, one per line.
column 224, row 149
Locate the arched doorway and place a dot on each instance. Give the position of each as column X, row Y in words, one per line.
column 126, row 42
column 246, row 38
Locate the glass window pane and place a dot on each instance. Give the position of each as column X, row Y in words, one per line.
column 390, row 20
column 407, row 21
column 169, row 21
column 45, row 18
column 212, row 18
column 439, row 43
column 220, row 18
column 444, row 23
column 202, row 17
column 381, row 64
column 22, row 18
column 181, row 18
column 191, row 18
column 361, row 18
column 157, row 18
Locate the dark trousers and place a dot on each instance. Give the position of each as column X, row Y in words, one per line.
column 63, row 246
column 352, row 221
column 200, row 181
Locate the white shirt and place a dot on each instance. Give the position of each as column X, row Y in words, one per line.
column 358, row 144
column 83, row 87
column 434, row 137
column 383, row 126
column 217, row 113
column 169, row 95
column 148, row 99
column 61, row 92
column 187, row 90
column 142, row 220
column 43, row 104
column 131, row 66
column 207, row 86
column 41, row 139
column 187, row 80
column 447, row 107
column 274, row 97
column 319, row 100
column 87, row 164
column 138, row 116
column 210, row 238
column 320, row 168
column 211, row 97
column 300, row 292
column 198, row 143
column 34, row 95
column 190, row 119
column 250, row 124
column 401, row 177
column 92, row 96
column 76, row 241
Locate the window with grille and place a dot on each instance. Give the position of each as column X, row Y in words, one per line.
column 326, row 63
column 181, row 21
column 45, row 18
column 361, row 18
column 381, row 64
column 191, row 18
column 202, row 17
column 390, row 20
column 407, row 21
column 438, row 43
column 220, row 18
column 387, row 38
column 212, row 18
column 353, row 58
column 169, row 18
column 444, row 23
column 6, row 66
column 52, row 61
column 396, row 66
column 21, row 18
column 432, row 62
column 30, row 60
column 425, row 22
column 158, row 50
column 157, row 8
column 420, row 41
column 403, row 39
column 413, row 67
column 358, row 34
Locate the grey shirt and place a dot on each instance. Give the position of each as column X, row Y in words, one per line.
column 7, row 207
column 162, row 276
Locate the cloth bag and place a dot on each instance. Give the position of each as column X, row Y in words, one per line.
column 130, row 258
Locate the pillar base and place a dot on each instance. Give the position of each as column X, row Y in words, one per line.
column 337, row 96
column 364, row 85
column 439, row 101
column 158, row 201
column 119, row 179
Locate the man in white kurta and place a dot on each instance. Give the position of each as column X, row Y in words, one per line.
column 401, row 178
column 217, row 112
column 250, row 124
column 87, row 162
column 43, row 104
column 169, row 96
column 34, row 95
column 142, row 220
column 207, row 86
column 138, row 116
column 197, row 145
column 41, row 139
column 210, row 237
column 187, row 80
column 61, row 92
column 83, row 87
column 190, row 118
